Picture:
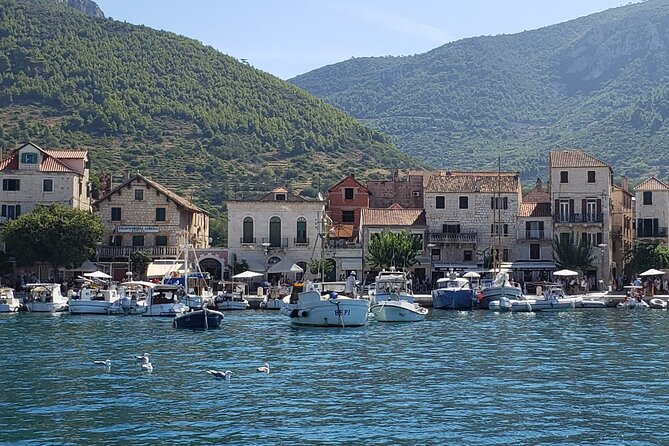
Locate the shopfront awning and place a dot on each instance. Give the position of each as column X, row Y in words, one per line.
column 533, row 265
column 159, row 269
column 354, row 264
column 444, row 266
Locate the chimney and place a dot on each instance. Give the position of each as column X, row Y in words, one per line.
column 623, row 183
column 539, row 186
column 352, row 176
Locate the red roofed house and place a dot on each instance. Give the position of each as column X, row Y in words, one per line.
column 652, row 210
column 580, row 188
column 345, row 200
column 34, row 176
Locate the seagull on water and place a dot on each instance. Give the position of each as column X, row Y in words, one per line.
column 263, row 368
column 106, row 363
column 143, row 358
column 222, row 375
column 147, row 367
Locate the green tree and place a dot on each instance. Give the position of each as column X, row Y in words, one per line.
column 398, row 249
column 218, row 230
column 645, row 256
column 318, row 265
column 55, row 234
column 569, row 254
column 139, row 261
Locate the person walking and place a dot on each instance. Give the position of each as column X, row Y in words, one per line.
column 349, row 289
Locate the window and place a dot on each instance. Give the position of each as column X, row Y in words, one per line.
column 247, row 230
column 115, row 214
column 29, row 158
column 275, row 232
column 499, row 229
column 440, row 202
column 139, row 194
column 435, row 254
column 467, row 256
column 591, row 176
column 647, row 197
column 499, row 202
column 116, row 240
column 450, row 228
column 535, row 251
column 591, row 211
column 564, row 176
column 161, row 240
column 160, row 214
column 11, row 184
column 565, row 210
column 464, row 202
column 505, row 255
column 301, row 231
column 280, row 197
column 348, row 193
column 347, row 216
column 11, row 211
column 47, row 185
column 137, row 240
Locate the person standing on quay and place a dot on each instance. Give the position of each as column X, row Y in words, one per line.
column 349, row 289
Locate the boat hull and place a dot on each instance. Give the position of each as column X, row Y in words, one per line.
column 495, row 293
column 398, row 311
column 10, row 307
column 229, row 305
column 46, row 307
column 89, row 307
column 443, row 299
column 271, row 304
column 311, row 310
column 165, row 310
column 534, row 305
column 199, row 320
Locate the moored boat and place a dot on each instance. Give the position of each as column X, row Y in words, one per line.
column 232, row 297
column 398, row 311
column 92, row 301
column 203, row 319
column 453, row 293
column 306, row 306
column 45, row 298
column 163, row 300
column 8, row 303
column 500, row 287
column 657, row 303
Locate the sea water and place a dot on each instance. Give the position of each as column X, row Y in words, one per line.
column 582, row 377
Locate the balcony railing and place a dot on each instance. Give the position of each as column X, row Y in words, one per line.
column 450, row 237
column 579, row 218
column 301, row 241
column 247, row 241
column 107, row 252
column 280, row 243
column 657, row 232
column 534, row 234
column 343, row 244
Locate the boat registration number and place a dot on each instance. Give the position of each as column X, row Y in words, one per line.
column 342, row 312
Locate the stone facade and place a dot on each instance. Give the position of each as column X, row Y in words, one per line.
column 34, row 176
column 534, row 251
column 406, row 192
column 142, row 215
column 622, row 223
column 652, row 211
column 345, row 200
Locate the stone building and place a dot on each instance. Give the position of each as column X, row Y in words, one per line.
column 406, row 192
column 34, row 176
column 652, row 211
column 580, row 188
column 471, row 216
column 345, row 201
column 622, row 224
column 278, row 226
column 142, row 215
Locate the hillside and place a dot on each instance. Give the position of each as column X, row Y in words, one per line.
column 170, row 108
column 600, row 83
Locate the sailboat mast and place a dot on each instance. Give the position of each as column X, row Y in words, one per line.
column 498, row 217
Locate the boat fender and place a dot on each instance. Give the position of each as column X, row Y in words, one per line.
column 294, row 313
column 303, row 313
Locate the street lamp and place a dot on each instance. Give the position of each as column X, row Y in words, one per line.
column 601, row 247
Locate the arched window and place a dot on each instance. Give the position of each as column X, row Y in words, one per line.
column 275, row 232
column 301, row 231
column 247, row 231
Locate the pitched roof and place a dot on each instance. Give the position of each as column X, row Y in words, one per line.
column 537, row 195
column 464, row 182
column 67, row 154
column 652, row 183
column 534, row 210
column 51, row 159
column 574, row 158
column 351, row 178
column 160, row 188
column 392, row 217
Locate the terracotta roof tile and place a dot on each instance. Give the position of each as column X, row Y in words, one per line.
column 70, row 154
column 537, row 195
column 50, row 164
column 534, row 210
column 392, row 217
column 652, row 183
column 574, row 158
column 486, row 182
column 11, row 162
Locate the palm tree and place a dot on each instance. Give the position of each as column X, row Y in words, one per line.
column 569, row 254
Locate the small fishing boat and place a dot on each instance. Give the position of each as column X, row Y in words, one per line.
column 232, row 297
column 500, row 287
column 307, row 306
column 398, row 311
column 163, row 300
column 203, row 319
column 90, row 300
column 8, row 303
column 45, row 298
column 393, row 301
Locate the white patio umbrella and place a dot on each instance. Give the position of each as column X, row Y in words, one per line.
column 285, row 266
column 652, row 272
column 565, row 273
column 247, row 275
column 472, row 275
column 98, row 275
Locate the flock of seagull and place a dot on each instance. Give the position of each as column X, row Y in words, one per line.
column 144, row 362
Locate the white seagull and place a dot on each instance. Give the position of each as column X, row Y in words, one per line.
column 222, row 375
column 147, row 367
column 143, row 358
column 106, row 363
column 263, row 368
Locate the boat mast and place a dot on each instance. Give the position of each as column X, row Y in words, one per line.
column 497, row 267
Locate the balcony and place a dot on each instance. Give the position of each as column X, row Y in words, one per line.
column 247, row 241
column 533, row 234
column 651, row 232
column 301, row 242
column 275, row 243
column 579, row 218
column 112, row 252
column 453, row 237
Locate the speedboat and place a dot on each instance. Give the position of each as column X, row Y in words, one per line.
column 92, row 301
column 393, row 300
column 45, row 298
column 500, row 287
column 8, row 303
column 543, row 304
column 453, row 293
column 163, row 300
column 199, row 319
column 307, row 306
column 132, row 299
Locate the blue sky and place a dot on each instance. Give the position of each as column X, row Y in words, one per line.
column 291, row 37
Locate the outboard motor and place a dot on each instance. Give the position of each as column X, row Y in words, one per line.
column 504, row 304
column 126, row 304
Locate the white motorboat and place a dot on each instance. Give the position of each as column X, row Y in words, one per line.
column 543, row 304
column 500, row 287
column 163, row 300
column 657, row 303
column 398, row 311
column 633, row 304
column 307, row 306
column 271, row 303
column 8, row 303
column 232, row 297
column 132, row 298
column 92, row 301
column 45, row 298
column 392, row 285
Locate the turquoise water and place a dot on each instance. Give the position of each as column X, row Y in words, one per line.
column 584, row 377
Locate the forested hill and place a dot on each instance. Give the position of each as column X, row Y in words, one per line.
column 170, row 108
column 600, row 83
